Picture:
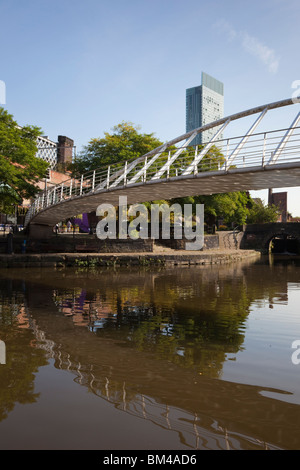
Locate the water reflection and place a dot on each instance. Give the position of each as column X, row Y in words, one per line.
column 192, row 321
column 153, row 344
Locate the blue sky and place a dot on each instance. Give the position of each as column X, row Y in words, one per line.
column 78, row 68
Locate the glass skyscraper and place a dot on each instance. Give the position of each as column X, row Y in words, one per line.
column 204, row 104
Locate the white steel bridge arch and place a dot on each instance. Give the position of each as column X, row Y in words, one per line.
column 253, row 161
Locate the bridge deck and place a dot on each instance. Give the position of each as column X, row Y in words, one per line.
column 242, row 179
column 248, row 162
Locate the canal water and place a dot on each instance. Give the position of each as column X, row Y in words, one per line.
column 146, row 358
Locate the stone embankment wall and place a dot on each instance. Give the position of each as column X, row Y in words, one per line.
column 211, row 242
column 85, row 251
column 76, row 244
column 91, row 244
column 94, row 260
column 230, row 240
column 221, row 240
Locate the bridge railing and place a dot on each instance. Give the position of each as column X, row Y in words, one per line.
column 261, row 148
column 183, row 160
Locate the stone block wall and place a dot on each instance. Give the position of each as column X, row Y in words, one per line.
column 210, row 242
column 78, row 244
column 230, row 240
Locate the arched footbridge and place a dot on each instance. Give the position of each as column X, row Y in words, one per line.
column 253, row 161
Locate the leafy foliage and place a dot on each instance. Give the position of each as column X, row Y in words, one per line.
column 231, row 207
column 126, row 143
column 260, row 214
column 20, row 169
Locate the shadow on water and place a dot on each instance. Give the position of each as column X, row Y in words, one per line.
column 151, row 342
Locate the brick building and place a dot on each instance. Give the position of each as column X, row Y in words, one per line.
column 279, row 200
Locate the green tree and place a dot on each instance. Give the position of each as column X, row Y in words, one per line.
column 233, row 207
column 260, row 213
column 125, row 143
column 20, row 169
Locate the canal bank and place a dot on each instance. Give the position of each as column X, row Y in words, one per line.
column 163, row 257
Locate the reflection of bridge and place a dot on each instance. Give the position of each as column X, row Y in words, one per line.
column 204, row 413
column 135, row 391
column 250, row 162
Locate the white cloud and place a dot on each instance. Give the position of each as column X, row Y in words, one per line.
column 264, row 53
column 224, row 27
column 251, row 45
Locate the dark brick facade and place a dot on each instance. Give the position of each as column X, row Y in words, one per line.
column 65, row 147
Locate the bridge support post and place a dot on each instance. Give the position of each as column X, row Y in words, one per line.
column 40, row 231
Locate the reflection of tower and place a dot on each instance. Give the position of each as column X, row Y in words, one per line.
column 279, row 200
column 204, row 104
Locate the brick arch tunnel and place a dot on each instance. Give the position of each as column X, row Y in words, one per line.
column 273, row 237
column 281, row 243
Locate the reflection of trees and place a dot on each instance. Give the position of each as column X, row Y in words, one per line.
column 192, row 318
column 194, row 327
column 23, row 358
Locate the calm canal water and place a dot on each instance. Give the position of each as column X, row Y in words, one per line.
column 182, row 358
